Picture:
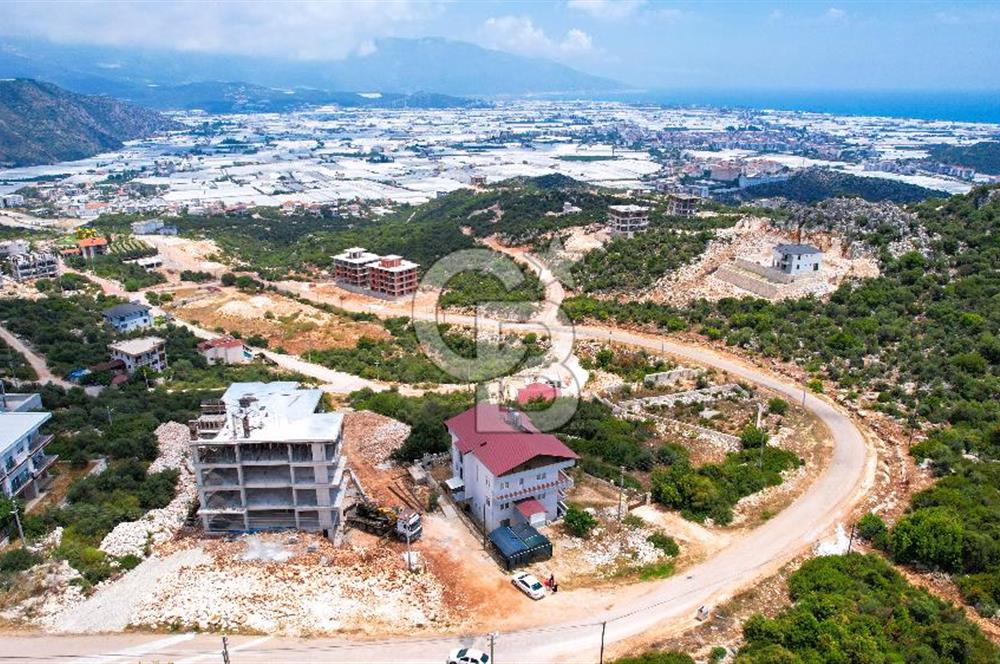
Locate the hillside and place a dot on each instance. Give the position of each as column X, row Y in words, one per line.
column 41, row 123
column 814, row 185
column 983, row 156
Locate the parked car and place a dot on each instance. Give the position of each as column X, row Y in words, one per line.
column 467, row 656
column 529, row 585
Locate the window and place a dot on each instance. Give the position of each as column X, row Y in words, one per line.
column 522, row 481
column 540, row 476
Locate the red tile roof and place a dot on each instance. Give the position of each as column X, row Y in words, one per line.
column 220, row 342
column 486, row 431
column 530, row 507
column 92, row 242
column 537, row 391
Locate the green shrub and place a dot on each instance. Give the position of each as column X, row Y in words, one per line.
column 753, row 437
column 664, row 543
column 18, row 560
column 777, row 406
column 579, row 522
column 872, row 528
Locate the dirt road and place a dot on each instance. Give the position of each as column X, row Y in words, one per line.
column 36, row 361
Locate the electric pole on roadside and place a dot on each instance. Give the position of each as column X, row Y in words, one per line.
column 225, row 650
column 17, row 520
column 493, row 638
column 604, row 626
column 621, row 489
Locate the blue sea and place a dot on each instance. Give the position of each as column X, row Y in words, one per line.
column 961, row 106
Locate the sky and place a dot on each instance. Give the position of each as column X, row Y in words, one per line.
column 831, row 45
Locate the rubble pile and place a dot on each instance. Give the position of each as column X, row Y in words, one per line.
column 373, row 437
column 49, row 589
column 609, row 546
column 159, row 525
column 318, row 589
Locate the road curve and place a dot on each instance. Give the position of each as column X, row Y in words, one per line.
column 667, row 605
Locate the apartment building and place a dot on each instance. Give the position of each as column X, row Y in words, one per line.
column 352, row 266
column 393, row 276
column 505, row 470
column 267, row 458
column 24, row 473
column 145, row 352
column 34, row 265
column 385, row 276
column 627, row 220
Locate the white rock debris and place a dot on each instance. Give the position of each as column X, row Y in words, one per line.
column 159, row 525
column 374, row 437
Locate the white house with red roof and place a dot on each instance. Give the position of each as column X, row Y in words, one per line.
column 505, row 470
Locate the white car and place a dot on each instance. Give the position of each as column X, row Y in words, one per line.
column 529, row 585
column 467, row 656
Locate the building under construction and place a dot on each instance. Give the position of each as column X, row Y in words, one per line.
column 265, row 458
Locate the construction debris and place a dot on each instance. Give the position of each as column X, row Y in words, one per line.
column 317, row 589
column 373, row 437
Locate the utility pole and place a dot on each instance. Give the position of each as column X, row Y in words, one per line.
column 493, row 638
column 409, row 552
column 484, row 524
column 108, row 408
column 17, row 520
column 225, row 650
column 621, row 489
column 604, row 626
column 850, row 542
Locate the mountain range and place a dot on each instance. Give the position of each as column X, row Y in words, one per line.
column 403, row 66
column 41, row 123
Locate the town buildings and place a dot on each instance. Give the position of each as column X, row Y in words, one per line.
column 505, row 470
column 386, row 276
column 10, row 248
column 144, row 352
column 128, row 317
column 33, row 265
column 225, row 350
column 267, row 458
column 24, row 473
column 796, row 259
column 627, row 220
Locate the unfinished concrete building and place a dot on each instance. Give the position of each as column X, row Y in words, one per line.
column 31, row 266
column 627, row 220
column 265, row 458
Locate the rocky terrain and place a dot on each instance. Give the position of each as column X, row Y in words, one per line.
column 41, row 123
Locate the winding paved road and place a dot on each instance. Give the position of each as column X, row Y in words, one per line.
column 666, row 605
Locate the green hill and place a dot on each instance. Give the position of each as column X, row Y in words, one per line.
column 41, row 123
column 816, row 184
column 984, row 156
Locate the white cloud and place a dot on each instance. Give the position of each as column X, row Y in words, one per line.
column 518, row 34
column 291, row 28
column 607, row 9
column 834, row 14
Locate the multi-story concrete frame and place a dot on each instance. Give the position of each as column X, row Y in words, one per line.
column 265, row 459
column 352, row 266
column 393, row 276
column 25, row 464
column 682, row 205
column 627, row 220
column 36, row 265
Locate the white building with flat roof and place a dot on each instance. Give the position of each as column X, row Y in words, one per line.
column 267, row 457
column 149, row 352
column 24, row 463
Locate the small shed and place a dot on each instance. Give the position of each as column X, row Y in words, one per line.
column 520, row 545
